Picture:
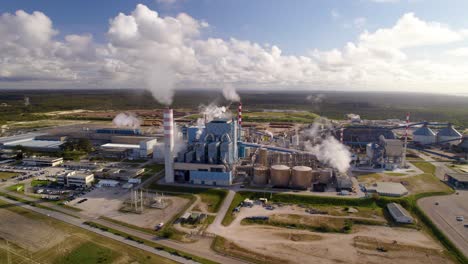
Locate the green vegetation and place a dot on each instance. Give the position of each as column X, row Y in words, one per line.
column 150, row 243
column 212, row 197
column 83, row 246
column 150, row 170
column 426, row 167
column 294, row 117
column 7, row 175
column 322, row 224
column 238, row 198
column 89, row 253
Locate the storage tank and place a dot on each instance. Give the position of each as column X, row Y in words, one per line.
column 315, row 175
column 263, row 157
column 301, row 177
column 325, row 176
column 260, row 176
column 280, row 175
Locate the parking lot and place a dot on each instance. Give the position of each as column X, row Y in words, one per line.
column 444, row 215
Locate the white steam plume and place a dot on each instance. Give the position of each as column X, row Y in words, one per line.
column 208, row 113
column 126, row 120
column 230, row 94
column 329, row 150
column 160, row 81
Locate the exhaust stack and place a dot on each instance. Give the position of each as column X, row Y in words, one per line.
column 169, row 145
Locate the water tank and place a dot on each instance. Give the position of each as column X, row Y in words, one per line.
column 280, row 175
column 325, row 176
column 301, row 177
column 315, row 175
column 260, row 176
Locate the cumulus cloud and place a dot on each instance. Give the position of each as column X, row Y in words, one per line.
column 161, row 53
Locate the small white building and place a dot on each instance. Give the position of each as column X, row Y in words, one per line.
column 107, row 183
column 78, row 179
column 399, row 214
column 42, row 161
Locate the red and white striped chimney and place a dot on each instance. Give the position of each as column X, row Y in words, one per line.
column 169, row 145
column 239, row 114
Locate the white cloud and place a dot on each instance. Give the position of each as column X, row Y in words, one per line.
column 459, row 52
column 335, row 14
column 144, row 49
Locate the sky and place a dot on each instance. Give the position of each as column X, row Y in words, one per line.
column 162, row 45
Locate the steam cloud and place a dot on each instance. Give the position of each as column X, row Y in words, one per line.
column 208, row 113
column 329, row 150
column 160, row 81
column 229, row 92
column 126, row 120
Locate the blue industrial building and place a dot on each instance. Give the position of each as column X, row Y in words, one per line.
column 211, row 154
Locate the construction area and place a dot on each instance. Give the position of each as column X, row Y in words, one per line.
column 277, row 238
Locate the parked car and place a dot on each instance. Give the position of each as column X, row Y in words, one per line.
column 159, row 226
column 460, row 218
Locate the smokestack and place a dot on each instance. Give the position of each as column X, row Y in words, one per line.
column 403, row 160
column 239, row 114
column 169, row 145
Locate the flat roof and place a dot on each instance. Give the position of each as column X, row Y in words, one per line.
column 389, row 187
column 116, row 145
column 43, row 159
column 32, row 143
column 461, row 177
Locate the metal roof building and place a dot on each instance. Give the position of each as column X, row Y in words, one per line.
column 449, row 134
column 392, row 189
column 399, row 214
column 457, row 179
column 424, row 135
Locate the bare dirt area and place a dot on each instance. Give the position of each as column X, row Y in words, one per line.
column 366, row 244
column 27, row 233
column 108, row 202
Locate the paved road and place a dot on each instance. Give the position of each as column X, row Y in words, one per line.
column 216, row 225
column 450, row 206
column 201, row 248
column 78, row 222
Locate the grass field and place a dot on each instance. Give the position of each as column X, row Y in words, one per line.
column 296, row 117
column 7, row 175
column 89, row 253
column 80, row 246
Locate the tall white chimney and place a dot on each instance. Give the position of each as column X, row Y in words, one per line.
column 169, row 145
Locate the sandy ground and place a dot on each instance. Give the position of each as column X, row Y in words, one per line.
column 27, row 233
column 298, row 246
column 108, row 201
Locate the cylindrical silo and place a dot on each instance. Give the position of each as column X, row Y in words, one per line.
column 301, row 177
column 325, row 176
column 280, row 175
column 315, row 175
column 263, row 157
column 260, row 175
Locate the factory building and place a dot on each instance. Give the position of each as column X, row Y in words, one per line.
column 387, row 153
column 75, row 179
column 392, row 189
column 399, row 214
column 459, row 180
column 449, row 135
column 210, row 155
column 424, row 135
column 362, row 135
column 42, row 161
column 133, row 148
